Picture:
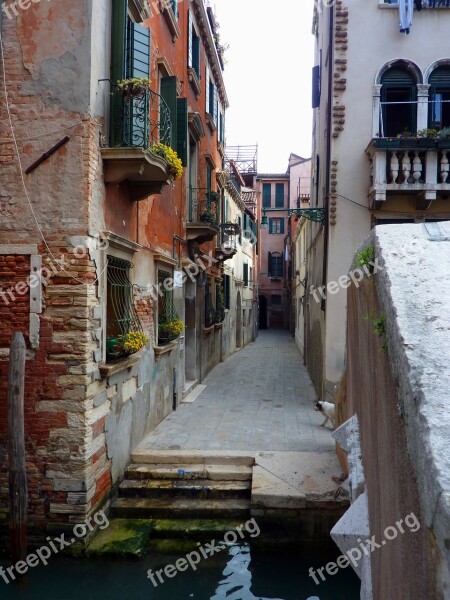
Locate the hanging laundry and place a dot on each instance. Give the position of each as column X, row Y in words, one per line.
column 405, row 8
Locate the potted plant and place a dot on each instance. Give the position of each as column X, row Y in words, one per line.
column 114, row 348
column 134, row 86
column 208, row 216
column 443, row 138
column 171, row 157
column 133, row 341
column 169, row 331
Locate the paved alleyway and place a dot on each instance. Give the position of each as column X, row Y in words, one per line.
column 261, row 398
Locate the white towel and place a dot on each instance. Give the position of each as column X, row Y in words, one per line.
column 405, row 8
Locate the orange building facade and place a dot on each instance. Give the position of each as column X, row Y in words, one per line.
column 111, row 255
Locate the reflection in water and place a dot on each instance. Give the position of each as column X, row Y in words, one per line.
column 237, row 581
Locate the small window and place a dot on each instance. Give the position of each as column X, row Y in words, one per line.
column 275, row 300
column 226, row 291
column 121, row 315
column 166, row 309
column 245, row 275
column 276, row 225
column 194, row 47
column 439, row 112
column 279, row 195
column 266, row 195
column 275, row 265
column 398, row 101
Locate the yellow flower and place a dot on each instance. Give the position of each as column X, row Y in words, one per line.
column 171, row 157
column 133, row 341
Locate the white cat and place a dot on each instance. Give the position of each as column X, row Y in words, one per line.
column 327, row 409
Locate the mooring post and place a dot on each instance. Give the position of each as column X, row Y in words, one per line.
column 16, row 449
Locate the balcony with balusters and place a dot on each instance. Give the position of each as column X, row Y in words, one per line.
column 139, row 119
column 203, row 218
column 409, row 166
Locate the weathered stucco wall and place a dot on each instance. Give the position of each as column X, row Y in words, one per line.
column 397, row 384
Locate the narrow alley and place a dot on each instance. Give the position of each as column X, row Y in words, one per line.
column 261, row 398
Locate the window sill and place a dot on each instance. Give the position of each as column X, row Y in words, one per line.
column 194, row 81
column 160, row 350
column 108, row 369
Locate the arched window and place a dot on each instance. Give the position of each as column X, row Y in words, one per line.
column 439, row 105
column 399, row 101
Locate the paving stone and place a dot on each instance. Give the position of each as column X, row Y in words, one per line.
column 261, row 398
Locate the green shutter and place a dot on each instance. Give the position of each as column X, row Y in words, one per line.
column 169, row 95
column 270, row 225
column 245, row 274
column 118, row 39
column 266, row 195
column 279, row 195
column 269, row 265
column 182, row 129
column 190, row 41
column 207, row 91
column 282, row 225
column 138, row 50
column 215, row 107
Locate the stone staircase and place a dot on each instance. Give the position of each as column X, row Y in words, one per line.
column 193, row 484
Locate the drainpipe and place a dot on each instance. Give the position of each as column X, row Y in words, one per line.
column 328, row 163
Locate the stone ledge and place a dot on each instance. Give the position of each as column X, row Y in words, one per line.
column 160, row 350
column 108, row 369
column 218, row 326
column 208, row 330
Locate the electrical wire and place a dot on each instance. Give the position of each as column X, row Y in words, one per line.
column 19, row 160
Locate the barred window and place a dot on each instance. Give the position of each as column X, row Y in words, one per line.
column 121, row 315
column 166, row 308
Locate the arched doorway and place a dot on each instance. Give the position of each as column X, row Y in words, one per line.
column 238, row 321
column 262, row 312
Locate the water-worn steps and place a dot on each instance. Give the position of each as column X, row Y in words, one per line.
column 186, row 484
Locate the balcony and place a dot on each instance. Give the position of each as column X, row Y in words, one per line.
column 409, row 166
column 203, row 225
column 226, row 241
column 137, row 121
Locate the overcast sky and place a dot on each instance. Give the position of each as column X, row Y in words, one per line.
column 268, row 76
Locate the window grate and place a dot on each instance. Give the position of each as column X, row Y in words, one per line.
column 121, row 313
column 166, row 308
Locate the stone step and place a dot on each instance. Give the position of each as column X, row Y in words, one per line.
column 191, row 457
column 150, row 508
column 197, row 488
column 192, row 471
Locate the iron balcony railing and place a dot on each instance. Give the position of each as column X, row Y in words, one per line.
column 138, row 120
column 203, row 206
column 227, row 238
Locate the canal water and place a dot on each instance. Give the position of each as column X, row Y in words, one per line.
column 241, row 572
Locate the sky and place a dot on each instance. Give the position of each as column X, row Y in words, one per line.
column 268, row 76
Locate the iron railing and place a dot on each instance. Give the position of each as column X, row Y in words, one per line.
column 227, row 238
column 203, row 206
column 426, row 3
column 139, row 120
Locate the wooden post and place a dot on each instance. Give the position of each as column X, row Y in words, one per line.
column 16, row 449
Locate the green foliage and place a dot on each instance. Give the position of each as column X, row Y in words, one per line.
column 379, row 327
column 135, row 86
column 427, row 133
column 365, row 257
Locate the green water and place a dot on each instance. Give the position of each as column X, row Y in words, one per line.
column 241, row 572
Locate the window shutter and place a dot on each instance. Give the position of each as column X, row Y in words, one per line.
column 174, row 6
column 169, row 94
column 279, row 195
column 270, row 225
column 182, row 129
column 245, row 274
column 190, row 41
column 316, row 87
column 269, row 265
column 118, row 40
column 282, row 225
column 207, row 90
column 138, row 51
column 266, row 195
column 215, row 107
